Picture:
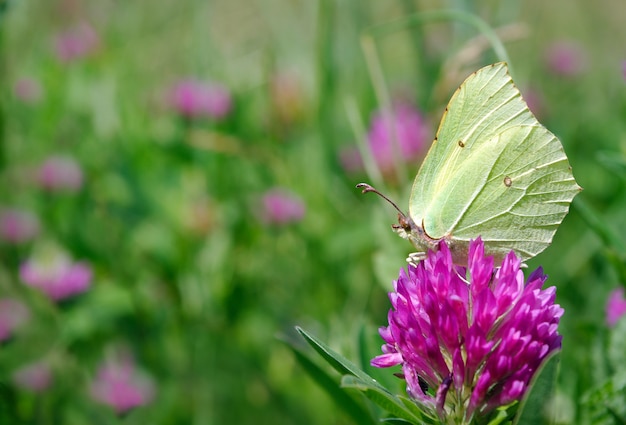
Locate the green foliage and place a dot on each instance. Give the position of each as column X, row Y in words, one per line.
column 191, row 280
column 536, row 407
column 400, row 408
column 605, row 403
column 343, row 400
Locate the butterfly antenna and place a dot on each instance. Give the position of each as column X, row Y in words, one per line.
column 367, row 188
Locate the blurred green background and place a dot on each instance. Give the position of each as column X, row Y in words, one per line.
column 191, row 275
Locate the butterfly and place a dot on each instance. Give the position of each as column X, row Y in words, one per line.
column 492, row 171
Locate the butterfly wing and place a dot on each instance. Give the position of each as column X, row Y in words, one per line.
column 493, row 171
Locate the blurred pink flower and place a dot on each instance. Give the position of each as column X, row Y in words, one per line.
column 350, row 159
column 565, row 58
column 287, row 97
column 60, row 173
column 615, row 307
column 56, row 276
column 118, row 384
column 535, row 102
column 13, row 313
column 281, row 207
column 35, row 377
column 28, row 90
column 76, row 42
column 406, row 135
column 197, row 99
column 18, row 226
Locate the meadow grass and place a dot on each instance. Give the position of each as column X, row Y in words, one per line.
column 191, row 278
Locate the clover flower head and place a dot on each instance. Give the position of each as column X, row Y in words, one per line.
column 18, row 226
column 287, row 97
column 28, row 90
column 35, row 377
column 615, row 307
column 565, row 58
column 121, row 386
column 401, row 136
column 469, row 339
column 13, row 313
column 76, row 42
column 195, row 99
column 281, row 207
column 56, row 275
column 60, row 173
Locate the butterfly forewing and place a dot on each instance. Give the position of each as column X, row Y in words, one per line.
column 493, row 171
column 525, row 197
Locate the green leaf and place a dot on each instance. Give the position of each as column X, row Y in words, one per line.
column 535, row 407
column 413, row 406
column 337, row 361
column 614, row 246
column 369, row 346
column 614, row 161
column 355, row 378
column 352, row 408
column 599, row 225
column 387, row 401
column 364, row 355
column 501, row 416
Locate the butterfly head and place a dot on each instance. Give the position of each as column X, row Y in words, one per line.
column 406, row 228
